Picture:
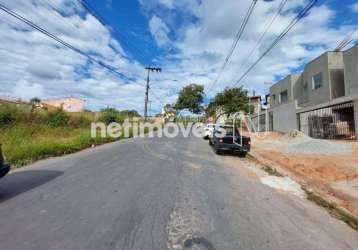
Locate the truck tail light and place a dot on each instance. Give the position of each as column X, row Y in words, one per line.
column 221, row 140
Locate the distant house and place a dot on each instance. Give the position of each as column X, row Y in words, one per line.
column 68, row 104
column 255, row 102
column 321, row 101
column 6, row 100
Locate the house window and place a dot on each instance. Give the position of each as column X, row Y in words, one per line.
column 284, row 96
column 317, row 81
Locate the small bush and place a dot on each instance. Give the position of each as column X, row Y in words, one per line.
column 7, row 114
column 58, row 118
column 110, row 115
column 78, row 121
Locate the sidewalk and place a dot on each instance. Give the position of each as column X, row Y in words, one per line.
column 327, row 168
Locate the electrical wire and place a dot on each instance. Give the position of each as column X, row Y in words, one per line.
column 156, row 97
column 347, row 40
column 299, row 16
column 234, row 45
column 280, row 8
column 90, row 9
column 57, row 39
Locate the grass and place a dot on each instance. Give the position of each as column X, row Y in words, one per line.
column 333, row 209
column 26, row 143
column 268, row 169
column 28, row 134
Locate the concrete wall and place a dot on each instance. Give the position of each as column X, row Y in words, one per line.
column 322, row 64
column 288, row 84
column 69, row 104
column 284, row 117
column 355, row 106
column 350, row 58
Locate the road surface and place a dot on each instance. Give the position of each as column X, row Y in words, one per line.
column 157, row 193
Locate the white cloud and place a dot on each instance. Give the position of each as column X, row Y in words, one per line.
column 355, row 7
column 25, row 90
column 33, row 65
column 167, row 3
column 204, row 44
column 159, row 31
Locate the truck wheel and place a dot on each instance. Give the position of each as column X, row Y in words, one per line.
column 4, row 170
column 210, row 143
column 217, row 151
column 242, row 154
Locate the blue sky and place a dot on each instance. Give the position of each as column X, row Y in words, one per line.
column 132, row 23
column 189, row 39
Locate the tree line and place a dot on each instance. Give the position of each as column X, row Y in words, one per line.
column 192, row 97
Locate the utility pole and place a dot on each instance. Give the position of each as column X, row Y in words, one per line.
column 150, row 107
column 146, row 100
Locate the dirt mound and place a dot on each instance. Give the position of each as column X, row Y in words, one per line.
column 314, row 146
column 262, row 136
column 296, row 142
column 323, row 169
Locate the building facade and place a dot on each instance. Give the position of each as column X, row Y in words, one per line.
column 283, row 104
column 322, row 100
column 350, row 59
column 322, row 80
column 68, row 104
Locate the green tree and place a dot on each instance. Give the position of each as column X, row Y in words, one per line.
column 8, row 114
column 58, row 118
column 109, row 115
column 129, row 113
column 191, row 97
column 35, row 102
column 210, row 110
column 231, row 100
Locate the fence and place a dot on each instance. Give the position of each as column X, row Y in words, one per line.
column 334, row 122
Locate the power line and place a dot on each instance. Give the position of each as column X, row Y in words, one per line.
column 347, row 40
column 299, row 16
column 236, row 41
column 280, row 8
column 156, row 97
column 57, row 39
column 105, row 23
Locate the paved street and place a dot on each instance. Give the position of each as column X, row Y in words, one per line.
column 157, row 194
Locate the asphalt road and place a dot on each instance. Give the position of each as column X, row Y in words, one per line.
column 157, row 194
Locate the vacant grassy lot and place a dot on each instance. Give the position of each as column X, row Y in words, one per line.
column 23, row 144
column 28, row 135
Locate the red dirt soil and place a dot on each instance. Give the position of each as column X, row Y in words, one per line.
column 318, row 171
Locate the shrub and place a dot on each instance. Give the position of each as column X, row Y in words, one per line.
column 58, row 118
column 110, row 115
column 7, row 114
column 79, row 121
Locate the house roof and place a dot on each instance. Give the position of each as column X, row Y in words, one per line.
column 62, row 98
column 255, row 97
